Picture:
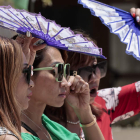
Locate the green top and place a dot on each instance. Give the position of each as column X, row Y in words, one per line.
column 57, row 131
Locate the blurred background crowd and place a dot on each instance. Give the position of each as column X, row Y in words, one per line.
column 122, row 68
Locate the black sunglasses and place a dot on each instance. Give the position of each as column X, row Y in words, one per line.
column 99, row 69
column 27, row 72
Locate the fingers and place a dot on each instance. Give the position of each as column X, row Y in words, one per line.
column 34, row 40
column 138, row 15
column 84, row 87
column 20, row 39
column 28, row 47
column 70, row 81
column 39, row 47
column 27, row 41
column 135, row 12
column 33, row 50
column 77, row 78
column 78, row 84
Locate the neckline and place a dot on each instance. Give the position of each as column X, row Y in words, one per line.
column 29, row 129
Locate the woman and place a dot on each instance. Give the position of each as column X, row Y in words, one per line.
column 15, row 84
column 51, row 88
column 116, row 103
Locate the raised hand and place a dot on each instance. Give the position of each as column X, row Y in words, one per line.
column 79, row 96
column 135, row 12
column 28, row 47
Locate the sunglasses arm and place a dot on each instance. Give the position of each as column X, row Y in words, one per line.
column 45, row 68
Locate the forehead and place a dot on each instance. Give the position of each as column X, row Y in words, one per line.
column 51, row 55
column 89, row 62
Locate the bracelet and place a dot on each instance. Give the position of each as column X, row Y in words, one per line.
column 89, row 124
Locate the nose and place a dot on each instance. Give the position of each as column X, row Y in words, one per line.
column 31, row 84
column 64, row 82
column 93, row 78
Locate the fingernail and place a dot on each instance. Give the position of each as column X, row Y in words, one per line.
column 28, row 34
column 138, row 19
column 32, row 68
column 134, row 15
column 32, row 73
column 69, row 83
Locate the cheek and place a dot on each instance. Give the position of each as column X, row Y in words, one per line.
column 21, row 92
column 45, row 79
column 85, row 78
column 22, row 86
column 45, row 85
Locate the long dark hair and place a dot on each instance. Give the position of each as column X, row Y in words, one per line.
column 10, row 70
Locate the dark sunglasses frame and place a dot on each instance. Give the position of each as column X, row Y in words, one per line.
column 101, row 65
column 28, row 71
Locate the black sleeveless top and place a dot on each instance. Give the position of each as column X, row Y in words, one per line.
column 5, row 131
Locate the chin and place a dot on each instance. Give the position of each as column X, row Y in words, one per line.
column 25, row 106
column 59, row 104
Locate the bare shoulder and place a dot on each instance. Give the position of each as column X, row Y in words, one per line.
column 8, row 137
column 23, row 130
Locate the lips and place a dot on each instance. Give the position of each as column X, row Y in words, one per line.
column 29, row 95
column 62, row 95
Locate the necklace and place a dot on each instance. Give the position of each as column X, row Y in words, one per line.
column 73, row 122
column 81, row 133
column 70, row 122
column 48, row 137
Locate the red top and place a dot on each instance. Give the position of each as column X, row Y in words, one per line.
column 117, row 104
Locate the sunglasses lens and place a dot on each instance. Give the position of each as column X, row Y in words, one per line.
column 27, row 73
column 102, row 68
column 67, row 71
column 60, row 72
column 99, row 70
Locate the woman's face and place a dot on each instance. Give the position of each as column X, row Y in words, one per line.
column 93, row 81
column 23, row 92
column 47, row 90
